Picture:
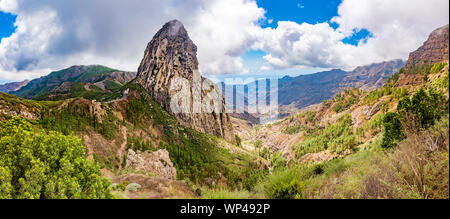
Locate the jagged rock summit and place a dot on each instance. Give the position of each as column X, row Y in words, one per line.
column 169, row 72
column 434, row 50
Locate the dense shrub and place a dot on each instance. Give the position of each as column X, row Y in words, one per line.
column 393, row 130
column 290, row 130
column 344, row 100
column 46, row 166
column 423, row 108
column 290, row 190
column 277, row 160
column 337, row 137
column 288, row 182
column 437, row 67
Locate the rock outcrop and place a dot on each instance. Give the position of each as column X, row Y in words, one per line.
column 434, row 50
column 157, row 163
column 169, row 72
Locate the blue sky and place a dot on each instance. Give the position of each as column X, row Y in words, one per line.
column 233, row 37
column 6, row 29
column 309, row 11
column 6, row 24
column 305, row 11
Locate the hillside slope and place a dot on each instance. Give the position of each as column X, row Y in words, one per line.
column 391, row 142
column 67, row 82
column 132, row 122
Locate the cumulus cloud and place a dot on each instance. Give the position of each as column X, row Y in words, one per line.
column 223, row 31
column 56, row 34
column 298, row 45
column 397, row 27
column 52, row 35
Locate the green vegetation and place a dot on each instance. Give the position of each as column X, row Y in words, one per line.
column 288, row 183
column 238, row 140
column 415, row 113
column 374, row 126
column 337, row 137
column 38, row 165
column 392, row 130
column 138, row 143
column 92, row 72
column 112, row 85
column 437, row 67
column 120, row 187
column 40, row 87
column 195, row 155
column 76, row 116
column 344, row 100
column 423, row 108
column 95, row 93
column 277, row 160
column 224, row 193
column 290, row 130
column 417, row 168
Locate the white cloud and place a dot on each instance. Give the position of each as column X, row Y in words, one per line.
column 8, row 5
column 298, row 45
column 398, row 27
column 57, row 34
column 265, row 68
column 223, row 31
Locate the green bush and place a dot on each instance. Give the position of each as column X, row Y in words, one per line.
column 424, row 108
column 344, row 101
column 290, row 130
column 291, row 190
column 277, row 160
column 288, row 182
column 337, row 137
column 393, row 130
column 46, row 165
column 438, row 67
column 238, row 140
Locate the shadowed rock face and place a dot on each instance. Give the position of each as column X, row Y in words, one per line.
column 434, row 50
column 170, row 56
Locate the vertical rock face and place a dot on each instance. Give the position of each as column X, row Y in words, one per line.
column 434, row 50
column 169, row 72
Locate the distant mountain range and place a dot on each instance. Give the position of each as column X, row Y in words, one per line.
column 294, row 92
column 13, row 86
column 305, row 90
column 70, row 82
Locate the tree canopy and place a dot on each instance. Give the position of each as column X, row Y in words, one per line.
column 39, row 165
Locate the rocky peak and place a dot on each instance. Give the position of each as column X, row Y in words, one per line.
column 169, row 64
column 434, row 50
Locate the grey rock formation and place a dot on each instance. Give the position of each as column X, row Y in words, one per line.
column 434, row 50
column 169, row 72
column 157, row 163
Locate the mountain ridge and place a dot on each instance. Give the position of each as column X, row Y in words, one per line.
column 63, row 81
